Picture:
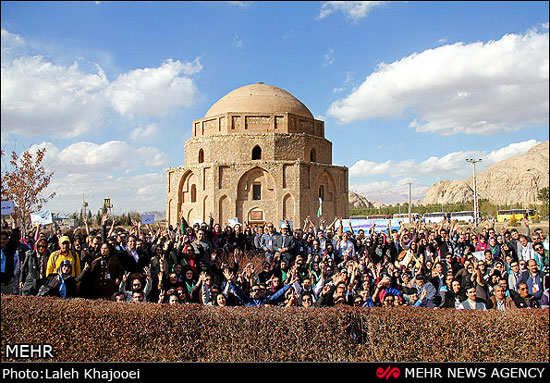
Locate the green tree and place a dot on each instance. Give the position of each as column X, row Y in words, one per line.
column 543, row 197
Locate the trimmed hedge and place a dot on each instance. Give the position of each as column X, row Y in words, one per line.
column 87, row 330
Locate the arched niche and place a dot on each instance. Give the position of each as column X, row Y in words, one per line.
column 325, row 187
column 201, row 156
column 185, row 187
column 289, row 207
column 256, row 177
column 257, row 153
column 313, row 155
column 224, row 207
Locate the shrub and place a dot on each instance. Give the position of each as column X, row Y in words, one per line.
column 86, row 330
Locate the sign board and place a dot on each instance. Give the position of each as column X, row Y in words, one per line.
column 257, row 215
column 107, row 203
column 147, row 219
column 8, row 207
column 42, row 218
column 68, row 222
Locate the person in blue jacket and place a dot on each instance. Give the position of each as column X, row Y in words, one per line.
column 255, row 298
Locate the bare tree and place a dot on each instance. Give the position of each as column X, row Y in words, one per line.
column 25, row 183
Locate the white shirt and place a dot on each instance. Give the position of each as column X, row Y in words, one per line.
column 527, row 252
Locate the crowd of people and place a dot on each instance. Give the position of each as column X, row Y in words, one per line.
column 442, row 266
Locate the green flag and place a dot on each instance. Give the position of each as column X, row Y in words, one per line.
column 320, row 211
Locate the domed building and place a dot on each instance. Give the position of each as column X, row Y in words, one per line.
column 258, row 155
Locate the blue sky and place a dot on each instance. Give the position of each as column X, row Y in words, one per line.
column 407, row 90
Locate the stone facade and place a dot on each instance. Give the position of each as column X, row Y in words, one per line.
column 258, row 155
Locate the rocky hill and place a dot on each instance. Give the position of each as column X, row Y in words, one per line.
column 357, row 200
column 516, row 179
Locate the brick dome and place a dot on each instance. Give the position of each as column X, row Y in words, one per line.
column 259, row 98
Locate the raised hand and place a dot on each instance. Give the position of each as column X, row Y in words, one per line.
column 229, row 276
column 147, row 272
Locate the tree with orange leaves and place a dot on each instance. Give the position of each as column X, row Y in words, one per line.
column 25, row 183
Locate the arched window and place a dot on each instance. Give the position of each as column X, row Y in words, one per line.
column 313, row 156
column 257, row 153
column 193, row 193
column 322, row 192
column 256, row 192
column 201, row 156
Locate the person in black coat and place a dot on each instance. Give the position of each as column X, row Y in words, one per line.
column 285, row 244
column 62, row 284
column 454, row 296
column 133, row 258
column 33, row 269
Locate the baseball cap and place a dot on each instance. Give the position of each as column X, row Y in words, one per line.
column 64, row 238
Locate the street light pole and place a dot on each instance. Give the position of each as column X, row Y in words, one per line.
column 476, row 208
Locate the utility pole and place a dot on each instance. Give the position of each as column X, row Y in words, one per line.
column 410, row 214
column 476, row 208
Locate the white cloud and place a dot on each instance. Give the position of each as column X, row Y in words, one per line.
column 354, row 10
column 452, row 165
column 240, row 4
column 477, row 88
column 238, row 41
column 154, row 92
column 133, row 177
column 144, row 192
column 38, row 96
column 42, row 97
column 347, row 82
column 87, row 157
column 10, row 41
column 143, row 132
column 289, row 34
column 509, row 151
column 389, row 192
column 328, row 58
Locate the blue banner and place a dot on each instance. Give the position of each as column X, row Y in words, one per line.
column 380, row 225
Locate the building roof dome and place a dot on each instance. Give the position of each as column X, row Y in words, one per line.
column 258, row 98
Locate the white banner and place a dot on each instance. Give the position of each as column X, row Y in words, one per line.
column 479, row 255
column 8, row 207
column 42, row 218
column 233, row 221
